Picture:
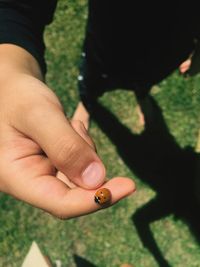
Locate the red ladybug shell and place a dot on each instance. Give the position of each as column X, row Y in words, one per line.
column 102, row 196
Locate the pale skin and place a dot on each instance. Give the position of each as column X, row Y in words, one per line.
column 45, row 157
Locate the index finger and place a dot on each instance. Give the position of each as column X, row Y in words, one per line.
column 80, row 201
column 54, row 196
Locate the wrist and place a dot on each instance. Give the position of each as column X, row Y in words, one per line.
column 16, row 60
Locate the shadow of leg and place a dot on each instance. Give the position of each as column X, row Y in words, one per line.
column 142, row 219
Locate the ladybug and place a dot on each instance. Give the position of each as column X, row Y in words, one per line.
column 102, row 196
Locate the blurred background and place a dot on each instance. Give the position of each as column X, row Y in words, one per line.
column 158, row 225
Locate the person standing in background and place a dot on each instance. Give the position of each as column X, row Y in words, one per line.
column 134, row 45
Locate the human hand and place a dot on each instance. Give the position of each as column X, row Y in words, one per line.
column 45, row 160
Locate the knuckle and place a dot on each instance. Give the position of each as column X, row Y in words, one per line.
column 67, row 153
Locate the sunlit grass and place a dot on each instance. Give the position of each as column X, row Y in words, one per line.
column 109, row 237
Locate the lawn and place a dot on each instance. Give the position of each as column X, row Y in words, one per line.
column 159, row 224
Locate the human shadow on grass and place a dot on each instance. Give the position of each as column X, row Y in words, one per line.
column 156, row 158
column 80, row 262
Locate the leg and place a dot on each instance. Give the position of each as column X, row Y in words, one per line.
column 144, row 108
column 91, row 84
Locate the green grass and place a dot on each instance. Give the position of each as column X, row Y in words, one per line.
column 109, row 237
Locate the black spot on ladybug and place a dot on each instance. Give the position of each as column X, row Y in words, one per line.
column 103, row 196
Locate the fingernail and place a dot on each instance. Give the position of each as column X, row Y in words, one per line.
column 93, row 175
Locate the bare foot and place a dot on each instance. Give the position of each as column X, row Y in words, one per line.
column 140, row 114
column 185, row 66
column 82, row 114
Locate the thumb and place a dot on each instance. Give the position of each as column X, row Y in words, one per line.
column 67, row 150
